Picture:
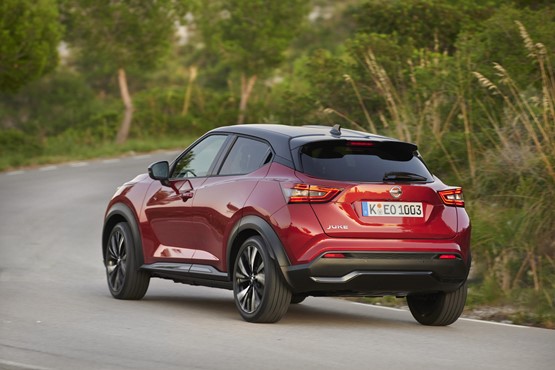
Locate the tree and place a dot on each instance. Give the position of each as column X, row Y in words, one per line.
column 430, row 24
column 29, row 36
column 120, row 35
column 251, row 35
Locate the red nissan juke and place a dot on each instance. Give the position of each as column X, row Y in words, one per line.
column 278, row 213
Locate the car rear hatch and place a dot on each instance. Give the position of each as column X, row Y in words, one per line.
column 378, row 190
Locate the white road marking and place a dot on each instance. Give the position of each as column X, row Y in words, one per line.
column 498, row 323
column 84, row 163
column 113, row 160
column 462, row 318
column 142, row 156
column 78, row 164
column 20, row 365
column 48, row 168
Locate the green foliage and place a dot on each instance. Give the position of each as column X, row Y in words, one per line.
column 15, row 141
column 29, row 37
column 330, row 25
column 119, row 34
column 51, row 105
column 498, row 40
column 326, row 75
column 252, row 35
column 431, row 24
column 159, row 112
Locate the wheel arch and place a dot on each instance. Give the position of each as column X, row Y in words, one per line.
column 250, row 226
column 120, row 212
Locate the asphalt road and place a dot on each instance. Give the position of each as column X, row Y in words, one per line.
column 56, row 311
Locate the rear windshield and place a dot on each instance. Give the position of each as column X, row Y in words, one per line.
column 363, row 161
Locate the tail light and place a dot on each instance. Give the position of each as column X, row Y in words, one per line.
column 452, row 197
column 304, row 193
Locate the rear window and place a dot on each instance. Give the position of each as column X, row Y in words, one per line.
column 363, row 161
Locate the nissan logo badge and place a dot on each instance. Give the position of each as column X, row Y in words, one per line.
column 396, row 192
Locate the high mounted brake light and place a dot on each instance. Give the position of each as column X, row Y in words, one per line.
column 452, row 197
column 360, row 143
column 304, row 193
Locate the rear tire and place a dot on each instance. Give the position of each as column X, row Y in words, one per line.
column 438, row 309
column 125, row 279
column 260, row 293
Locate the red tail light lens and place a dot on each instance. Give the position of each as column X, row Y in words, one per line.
column 447, row 257
column 452, row 197
column 304, row 193
column 334, row 255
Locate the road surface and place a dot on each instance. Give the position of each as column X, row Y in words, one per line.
column 56, row 311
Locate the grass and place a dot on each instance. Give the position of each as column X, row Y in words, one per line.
column 500, row 309
column 497, row 139
column 58, row 151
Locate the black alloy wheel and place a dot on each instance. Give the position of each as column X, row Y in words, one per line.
column 258, row 288
column 125, row 280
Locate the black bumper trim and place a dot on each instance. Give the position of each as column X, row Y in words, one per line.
column 377, row 274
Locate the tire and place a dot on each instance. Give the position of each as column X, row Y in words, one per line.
column 297, row 298
column 260, row 294
column 125, row 279
column 439, row 309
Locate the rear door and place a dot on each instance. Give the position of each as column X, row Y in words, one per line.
column 386, row 191
column 219, row 201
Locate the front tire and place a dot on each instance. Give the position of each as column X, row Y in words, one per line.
column 260, row 293
column 125, row 279
column 438, row 309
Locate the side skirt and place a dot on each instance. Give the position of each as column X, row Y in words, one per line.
column 193, row 274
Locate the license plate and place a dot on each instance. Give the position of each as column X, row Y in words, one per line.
column 392, row 209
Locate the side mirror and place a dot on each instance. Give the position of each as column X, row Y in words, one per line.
column 159, row 171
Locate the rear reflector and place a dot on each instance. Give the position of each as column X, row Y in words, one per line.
column 334, row 255
column 452, row 197
column 304, row 193
column 447, row 257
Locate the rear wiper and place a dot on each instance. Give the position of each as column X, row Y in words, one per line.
column 403, row 176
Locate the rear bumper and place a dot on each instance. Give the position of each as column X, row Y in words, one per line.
column 377, row 274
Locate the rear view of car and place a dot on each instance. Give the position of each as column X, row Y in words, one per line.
column 279, row 213
column 392, row 227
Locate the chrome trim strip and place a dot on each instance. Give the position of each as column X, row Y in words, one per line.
column 355, row 274
column 184, row 267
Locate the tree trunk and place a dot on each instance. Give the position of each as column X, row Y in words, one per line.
column 246, row 90
column 187, row 100
column 123, row 131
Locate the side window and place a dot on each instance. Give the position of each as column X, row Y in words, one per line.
column 197, row 161
column 246, row 156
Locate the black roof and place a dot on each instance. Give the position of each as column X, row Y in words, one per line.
column 285, row 139
column 271, row 131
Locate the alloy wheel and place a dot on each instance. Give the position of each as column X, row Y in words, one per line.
column 250, row 279
column 116, row 260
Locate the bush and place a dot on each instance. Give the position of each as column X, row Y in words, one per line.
column 17, row 143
